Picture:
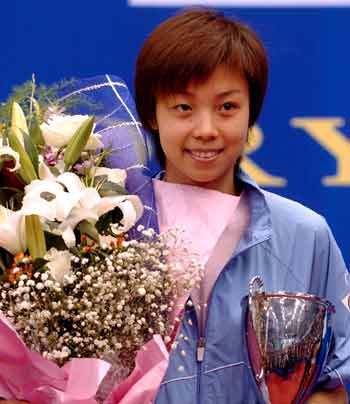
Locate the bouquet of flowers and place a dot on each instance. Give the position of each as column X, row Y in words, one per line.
column 79, row 299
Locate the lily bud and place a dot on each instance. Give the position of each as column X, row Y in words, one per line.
column 26, row 171
column 18, row 121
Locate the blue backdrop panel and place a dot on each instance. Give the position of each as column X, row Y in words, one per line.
column 303, row 148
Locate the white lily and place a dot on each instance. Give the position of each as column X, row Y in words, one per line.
column 59, row 264
column 12, row 231
column 67, row 201
column 7, row 153
column 59, row 129
column 48, row 199
column 116, row 175
column 131, row 207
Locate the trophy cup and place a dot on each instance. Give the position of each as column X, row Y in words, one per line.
column 287, row 336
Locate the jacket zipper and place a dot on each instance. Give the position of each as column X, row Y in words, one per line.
column 200, row 357
column 200, row 349
column 201, row 341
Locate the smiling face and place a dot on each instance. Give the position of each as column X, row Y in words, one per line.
column 203, row 131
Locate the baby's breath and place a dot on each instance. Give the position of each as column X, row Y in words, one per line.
column 111, row 303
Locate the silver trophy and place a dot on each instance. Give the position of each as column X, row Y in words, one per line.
column 287, row 337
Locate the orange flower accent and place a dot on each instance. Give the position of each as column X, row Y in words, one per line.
column 22, row 265
column 120, row 240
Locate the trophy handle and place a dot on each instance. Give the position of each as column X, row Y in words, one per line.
column 260, row 376
column 256, row 286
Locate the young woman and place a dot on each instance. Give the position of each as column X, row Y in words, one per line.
column 200, row 83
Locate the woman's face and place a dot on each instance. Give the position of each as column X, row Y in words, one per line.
column 203, row 131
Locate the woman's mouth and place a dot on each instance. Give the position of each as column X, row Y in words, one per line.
column 204, row 155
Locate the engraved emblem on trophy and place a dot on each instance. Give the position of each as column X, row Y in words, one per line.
column 287, row 336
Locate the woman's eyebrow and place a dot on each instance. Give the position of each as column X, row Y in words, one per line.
column 227, row 93
column 220, row 94
column 183, row 93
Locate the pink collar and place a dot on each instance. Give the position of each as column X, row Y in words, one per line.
column 202, row 213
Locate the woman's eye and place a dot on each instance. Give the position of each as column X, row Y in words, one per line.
column 227, row 106
column 183, row 107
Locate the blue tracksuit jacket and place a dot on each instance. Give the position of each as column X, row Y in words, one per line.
column 292, row 249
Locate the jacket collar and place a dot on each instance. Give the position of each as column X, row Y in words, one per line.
column 259, row 227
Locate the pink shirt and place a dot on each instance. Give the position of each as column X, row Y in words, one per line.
column 214, row 223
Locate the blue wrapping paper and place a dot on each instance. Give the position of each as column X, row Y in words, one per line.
column 108, row 98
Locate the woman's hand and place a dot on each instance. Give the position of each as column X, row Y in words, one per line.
column 337, row 396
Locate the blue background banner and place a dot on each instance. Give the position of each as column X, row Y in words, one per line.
column 301, row 146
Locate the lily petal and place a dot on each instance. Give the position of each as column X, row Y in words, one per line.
column 65, row 202
column 130, row 205
column 66, row 229
column 71, row 181
column 69, row 237
column 116, row 175
column 54, row 138
column 35, row 204
column 39, row 206
column 110, row 202
column 45, row 173
column 89, row 199
column 12, row 231
column 60, row 128
column 94, row 142
column 10, row 154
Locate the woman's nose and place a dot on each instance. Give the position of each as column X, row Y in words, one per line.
column 205, row 126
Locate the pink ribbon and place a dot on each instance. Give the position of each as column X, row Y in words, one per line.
column 26, row 375
column 143, row 383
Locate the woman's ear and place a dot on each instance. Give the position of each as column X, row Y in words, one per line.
column 153, row 124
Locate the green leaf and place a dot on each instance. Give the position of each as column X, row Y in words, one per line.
column 4, row 265
column 37, row 135
column 5, row 135
column 109, row 188
column 39, row 263
column 89, row 229
column 74, row 250
column 77, row 142
column 27, row 171
column 3, row 276
column 11, row 197
column 35, row 237
column 6, row 260
column 32, row 151
column 55, row 171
